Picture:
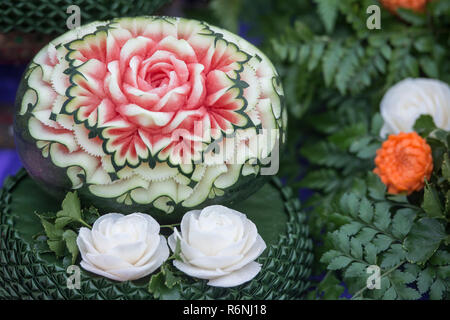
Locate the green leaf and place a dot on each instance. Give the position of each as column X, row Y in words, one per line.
column 386, row 51
column 366, row 235
column 412, row 65
column 412, row 17
column 321, row 179
column 46, row 215
column 402, row 277
column 431, row 203
column 442, row 136
column 329, row 255
column 424, row 125
column 329, row 288
column 304, row 53
column 303, row 31
column 316, row 54
column 176, row 255
column 424, row 239
column 59, row 237
column 424, row 44
column 90, row 215
column 41, row 245
column 390, row 294
column 382, row 217
column 356, row 249
column 359, row 187
column 393, row 256
column 71, row 206
column 330, row 62
column 349, row 204
column 424, row 280
column 346, row 70
column 429, row 66
column 345, row 137
column 156, row 285
column 440, row 258
column 443, row 272
column 365, row 210
column 413, row 269
column 163, row 285
column 382, row 242
column 446, row 167
column 447, row 202
column 437, row 290
column 61, row 222
column 328, row 11
column 370, row 253
column 339, row 263
column 342, row 241
column 400, row 198
column 377, row 123
column 377, row 189
column 402, row 222
column 407, row 293
column 51, row 230
column 378, row 294
column 356, row 270
column 359, row 144
column 369, row 151
column 351, row 228
column 57, row 246
column 70, row 238
column 171, row 280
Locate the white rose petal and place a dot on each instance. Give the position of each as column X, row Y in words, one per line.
column 216, row 262
column 255, row 251
column 198, row 272
column 244, row 274
column 218, row 244
column 407, row 100
column 122, row 247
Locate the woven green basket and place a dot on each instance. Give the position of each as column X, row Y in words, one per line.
column 27, row 274
column 49, row 16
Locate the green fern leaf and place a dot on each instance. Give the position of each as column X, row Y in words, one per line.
column 328, row 12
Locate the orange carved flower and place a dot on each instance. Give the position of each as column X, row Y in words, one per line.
column 403, row 162
column 415, row 5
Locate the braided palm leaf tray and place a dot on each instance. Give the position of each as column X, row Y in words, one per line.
column 26, row 273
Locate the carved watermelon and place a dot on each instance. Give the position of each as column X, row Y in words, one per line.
column 153, row 113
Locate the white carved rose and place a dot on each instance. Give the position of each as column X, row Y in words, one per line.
column 407, row 100
column 122, row 247
column 218, row 244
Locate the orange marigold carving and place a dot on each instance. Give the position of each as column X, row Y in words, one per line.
column 415, row 5
column 403, row 163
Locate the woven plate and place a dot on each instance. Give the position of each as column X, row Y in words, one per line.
column 50, row 16
column 27, row 274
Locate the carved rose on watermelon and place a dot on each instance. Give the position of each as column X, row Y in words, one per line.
column 131, row 108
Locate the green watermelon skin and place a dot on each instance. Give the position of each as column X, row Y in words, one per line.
column 54, row 179
column 54, row 182
column 25, row 273
column 234, row 195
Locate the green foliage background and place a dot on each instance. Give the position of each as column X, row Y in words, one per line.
column 335, row 72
